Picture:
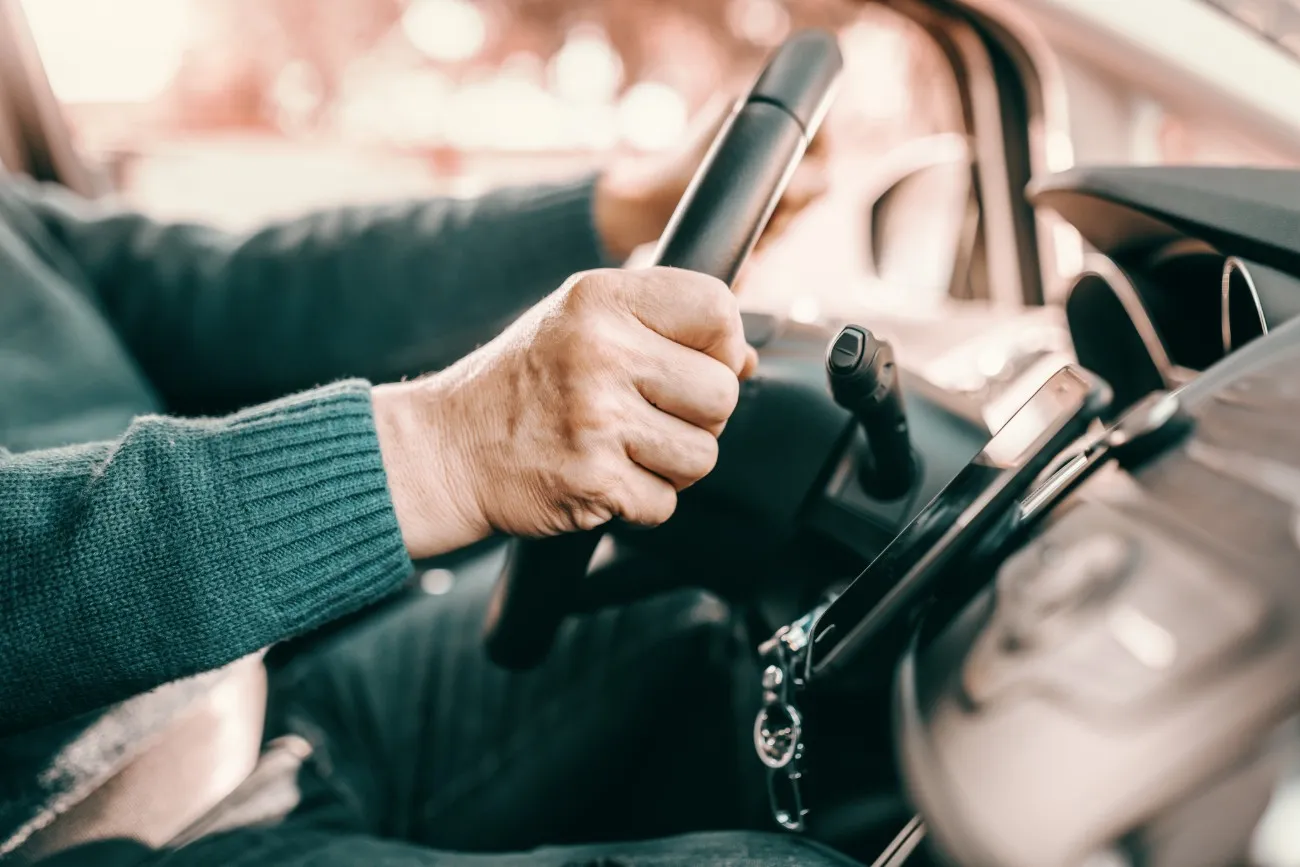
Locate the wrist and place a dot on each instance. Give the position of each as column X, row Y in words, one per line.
column 428, row 479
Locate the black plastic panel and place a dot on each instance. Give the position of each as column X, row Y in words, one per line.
column 1107, row 340
column 1259, row 299
column 1241, row 211
column 1183, row 295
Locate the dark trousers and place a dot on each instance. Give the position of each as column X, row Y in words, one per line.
column 423, row 753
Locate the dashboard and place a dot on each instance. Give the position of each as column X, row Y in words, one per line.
column 1187, row 266
column 1115, row 685
column 1111, row 696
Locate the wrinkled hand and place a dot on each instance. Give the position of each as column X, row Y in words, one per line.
column 601, row 402
column 636, row 196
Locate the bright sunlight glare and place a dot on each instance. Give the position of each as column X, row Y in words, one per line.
column 586, row 68
column 652, row 115
column 451, row 31
column 125, row 51
column 762, row 22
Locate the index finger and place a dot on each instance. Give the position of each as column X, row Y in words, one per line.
column 693, row 309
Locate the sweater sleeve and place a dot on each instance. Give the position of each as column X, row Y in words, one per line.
column 219, row 321
column 184, row 545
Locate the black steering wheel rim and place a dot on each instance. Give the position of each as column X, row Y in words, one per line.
column 714, row 229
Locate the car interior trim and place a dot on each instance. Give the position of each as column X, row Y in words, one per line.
column 1235, row 267
column 1097, row 265
column 1179, row 248
column 996, row 195
column 1049, row 145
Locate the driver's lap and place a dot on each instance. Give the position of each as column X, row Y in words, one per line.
column 421, row 749
column 631, row 728
column 322, row 849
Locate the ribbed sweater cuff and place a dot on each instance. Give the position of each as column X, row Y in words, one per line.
column 321, row 531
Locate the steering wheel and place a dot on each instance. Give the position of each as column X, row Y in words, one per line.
column 713, row 230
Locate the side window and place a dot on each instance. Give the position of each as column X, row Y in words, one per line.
column 235, row 111
column 1118, row 120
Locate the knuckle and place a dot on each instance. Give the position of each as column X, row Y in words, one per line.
column 591, row 374
column 596, row 423
column 588, row 517
column 662, row 508
column 667, row 279
column 624, row 502
column 646, row 505
column 688, row 458
column 591, row 483
column 588, row 288
column 704, row 456
column 720, row 304
column 720, row 320
column 653, row 507
column 573, row 285
column 719, row 394
column 575, row 495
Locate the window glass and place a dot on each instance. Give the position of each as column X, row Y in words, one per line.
column 1121, row 121
column 1117, row 119
column 235, row 111
column 1278, row 20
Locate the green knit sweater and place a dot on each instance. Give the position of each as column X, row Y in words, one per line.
column 138, row 547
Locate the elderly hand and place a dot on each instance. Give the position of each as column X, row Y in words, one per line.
column 636, row 196
column 601, row 402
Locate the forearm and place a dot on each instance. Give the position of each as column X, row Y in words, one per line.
column 185, row 545
column 219, row 321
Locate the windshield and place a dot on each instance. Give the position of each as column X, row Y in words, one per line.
column 237, row 111
column 233, row 112
column 1276, row 20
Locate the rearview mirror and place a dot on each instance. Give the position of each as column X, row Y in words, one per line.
column 923, row 226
